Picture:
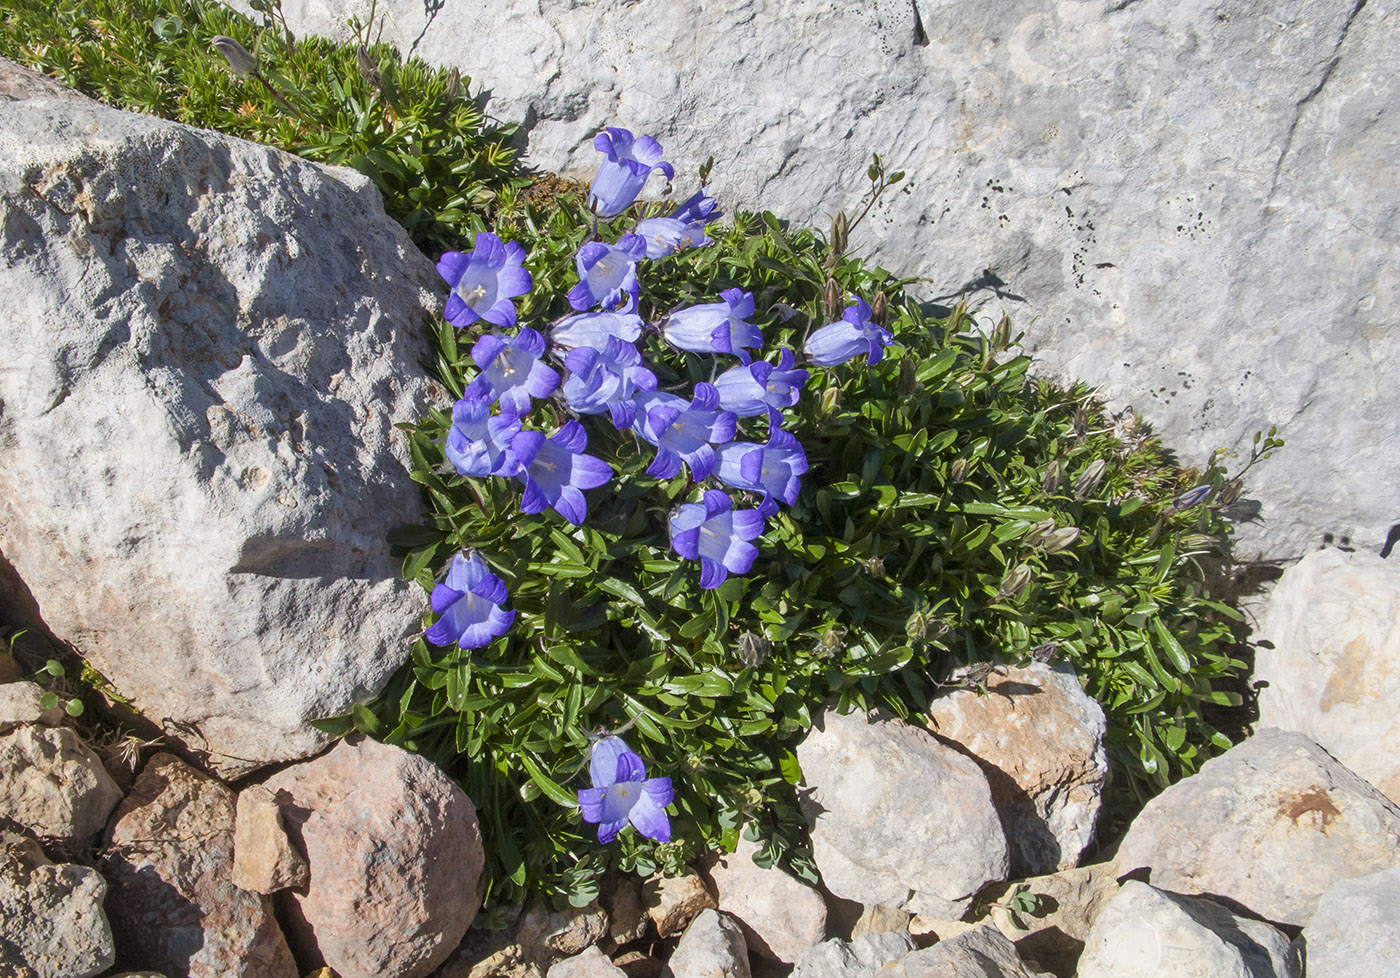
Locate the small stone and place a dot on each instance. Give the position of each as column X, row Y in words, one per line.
column 711, row 947
column 51, row 920
column 263, row 858
column 1356, row 930
column 781, row 916
column 674, row 901
column 977, row 953
column 858, row 958
column 549, row 934
column 54, row 785
column 1149, row 933
column 592, row 963
column 19, row 703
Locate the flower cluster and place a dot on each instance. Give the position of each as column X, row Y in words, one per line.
column 599, row 369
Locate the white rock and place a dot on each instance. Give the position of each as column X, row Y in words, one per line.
column 51, row 919
column 896, row 817
column 1272, row 824
column 592, row 963
column 54, row 785
column 1187, row 205
column 781, row 916
column 857, row 958
column 20, row 703
column 978, row 953
column 711, row 947
column 1149, row 933
column 198, row 460
column 1334, row 670
column 1039, row 738
column 1356, row 930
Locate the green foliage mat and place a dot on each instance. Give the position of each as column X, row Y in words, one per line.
column 932, row 533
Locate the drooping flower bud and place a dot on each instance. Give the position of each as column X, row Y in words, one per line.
column 880, row 307
column 958, row 472
column 1015, row 580
column 956, row 317
column 1053, row 473
column 240, row 61
column 908, row 381
column 1038, row 532
column 1192, row 497
column 1061, row 539
column 1091, row 478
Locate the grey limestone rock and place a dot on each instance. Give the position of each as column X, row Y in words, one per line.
column 1271, row 824
column 1332, row 666
column 198, row 459
column 711, row 947
column 1188, row 204
column 592, row 963
column 1356, row 930
column 54, row 785
column 51, row 920
column 781, row 916
column 897, row 818
column 977, row 953
column 1149, row 933
column 860, row 957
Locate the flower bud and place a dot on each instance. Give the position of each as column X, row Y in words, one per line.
column 875, row 566
column 1001, row 334
column 1192, row 497
column 1038, row 532
column 831, row 644
column 240, row 61
column 1091, row 478
column 369, row 68
column 831, row 400
column 839, row 229
column 1045, row 653
column 1061, row 539
column 454, row 84
column 1230, row 492
column 753, row 649
column 1053, row 473
column 965, row 378
column 956, row 317
column 908, row 380
column 831, row 295
column 879, row 308
column 916, row 627
column 958, row 472
column 1198, row 541
column 1081, row 421
column 1015, row 580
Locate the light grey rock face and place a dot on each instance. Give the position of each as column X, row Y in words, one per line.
column 781, row 915
column 1147, row 933
column 592, row 963
column 979, row 953
column 54, row 785
column 20, row 703
column 1039, row 738
column 1187, row 203
column 1273, row 823
column 51, row 919
column 1334, row 670
column 897, row 818
column 208, row 344
column 548, row 934
column 711, row 947
column 1356, row 930
column 857, row 958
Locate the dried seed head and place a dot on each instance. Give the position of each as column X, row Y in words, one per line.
column 1230, row 492
column 1045, row 653
column 1053, row 473
column 454, row 84
column 831, row 644
column 369, row 68
column 916, row 627
column 875, row 566
column 240, row 61
column 840, row 227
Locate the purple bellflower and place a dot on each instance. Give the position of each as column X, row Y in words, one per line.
column 715, row 327
column 754, row 388
column 484, row 281
column 683, row 431
column 698, row 209
column 628, row 162
column 607, row 380
column 607, row 274
column 667, row 235
column 469, row 601
column 773, row 469
column 511, row 371
column 623, row 793
column 717, row 535
column 595, row 328
column 478, row 443
column 850, row 336
column 556, row 471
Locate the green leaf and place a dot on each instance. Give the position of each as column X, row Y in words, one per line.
column 548, row 785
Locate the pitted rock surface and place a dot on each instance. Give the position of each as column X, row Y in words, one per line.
column 54, row 785
column 51, row 919
column 395, row 855
column 781, row 915
column 198, row 459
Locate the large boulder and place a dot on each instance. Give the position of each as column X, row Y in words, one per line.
column 1039, row 739
column 198, row 459
column 1331, row 662
column 1356, row 930
column 1149, row 933
column 859, row 957
column 1187, row 204
column 173, row 904
column 395, row 855
column 54, row 785
column 1271, row 824
column 51, row 919
column 896, row 817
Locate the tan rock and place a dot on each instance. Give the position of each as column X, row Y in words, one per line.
column 621, row 897
column 51, row 919
column 263, row 858
column 548, row 934
column 929, row 930
column 20, row 703
column 781, row 916
column 174, row 907
column 636, row 964
column 54, row 785
column 1039, row 739
column 877, row 919
column 1070, row 902
column 673, row 902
